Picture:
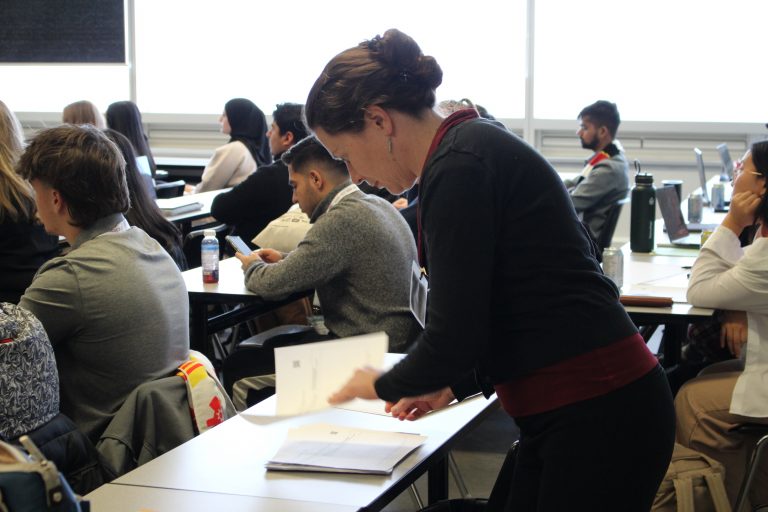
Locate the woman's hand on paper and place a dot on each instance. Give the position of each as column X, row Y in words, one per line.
column 733, row 331
column 413, row 408
column 359, row 386
column 246, row 260
column 270, row 255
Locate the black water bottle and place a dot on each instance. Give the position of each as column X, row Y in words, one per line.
column 643, row 214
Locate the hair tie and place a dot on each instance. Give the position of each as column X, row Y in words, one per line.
column 373, row 44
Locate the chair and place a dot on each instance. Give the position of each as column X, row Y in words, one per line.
column 167, row 189
column 156, row 417
column 611, row 220
column 255, row 355
column 191, row 246
column 755, row 429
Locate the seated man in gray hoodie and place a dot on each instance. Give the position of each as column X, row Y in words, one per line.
column 358, row 256
column 115, row 307
column 605, row 178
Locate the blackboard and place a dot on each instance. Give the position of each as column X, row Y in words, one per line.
column 62, row 31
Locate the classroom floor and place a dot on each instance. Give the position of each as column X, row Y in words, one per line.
column 479, row 457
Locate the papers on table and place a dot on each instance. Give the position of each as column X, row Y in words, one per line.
column 337, row 449
column 178, row 205
column 658, row 280
column 308, row 374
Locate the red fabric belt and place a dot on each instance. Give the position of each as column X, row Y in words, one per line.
column 585, row 376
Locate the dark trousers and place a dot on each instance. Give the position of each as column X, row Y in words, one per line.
column 607, row 453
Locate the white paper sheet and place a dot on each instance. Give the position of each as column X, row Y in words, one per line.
column 308, row 374
column 375, row 406
column 334, row 448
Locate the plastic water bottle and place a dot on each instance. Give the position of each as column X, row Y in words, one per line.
column 209, row 256
column 642, row 220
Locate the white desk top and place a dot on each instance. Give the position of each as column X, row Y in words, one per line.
column 131, row 498
column 230, row 458
column 660, row 276
column 231, row 280
column 181, row 161
column 205, row 198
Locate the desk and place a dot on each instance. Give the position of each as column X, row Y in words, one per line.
column 182, row 167
column 131, row 498
column 184, row 220
column 663, row 276
column 229, row 290
column 229, row 459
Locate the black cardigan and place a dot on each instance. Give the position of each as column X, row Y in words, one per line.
column 254, row 203
column 514, row 282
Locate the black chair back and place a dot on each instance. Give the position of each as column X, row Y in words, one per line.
column 611, row 220
column 167, row 189
column 193, row 240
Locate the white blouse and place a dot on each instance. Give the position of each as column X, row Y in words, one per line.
column 231, row 164
column 725, row 276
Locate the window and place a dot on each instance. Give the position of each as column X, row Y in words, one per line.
column 193, row 56
column 49, row 88
column 659, row 60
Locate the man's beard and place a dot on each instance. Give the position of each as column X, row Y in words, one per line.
column 591, row 145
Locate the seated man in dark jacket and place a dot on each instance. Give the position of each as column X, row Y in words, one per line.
column 265, row 194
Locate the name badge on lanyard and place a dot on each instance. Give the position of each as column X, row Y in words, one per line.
column 418, row 294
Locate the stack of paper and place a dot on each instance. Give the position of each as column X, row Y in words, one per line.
column 336, row 449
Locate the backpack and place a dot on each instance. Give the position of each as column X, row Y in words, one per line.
column 32, row 483
column 693, row 482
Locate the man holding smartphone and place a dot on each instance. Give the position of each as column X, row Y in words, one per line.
column 358, row 255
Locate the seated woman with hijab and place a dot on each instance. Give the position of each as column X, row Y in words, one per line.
column 247, row 149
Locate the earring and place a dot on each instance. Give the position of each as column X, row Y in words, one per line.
column 389, row 144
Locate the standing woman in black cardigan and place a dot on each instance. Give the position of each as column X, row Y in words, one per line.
column 517, row 301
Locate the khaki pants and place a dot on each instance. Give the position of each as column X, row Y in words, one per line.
column 704, row 423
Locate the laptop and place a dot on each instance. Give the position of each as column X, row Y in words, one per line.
column 142, row 162
column 725, row 157
column 677, row 230
column 702, row 176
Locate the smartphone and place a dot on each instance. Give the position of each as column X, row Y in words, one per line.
column 237, row 244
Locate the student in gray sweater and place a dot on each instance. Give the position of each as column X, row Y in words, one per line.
column 358, row 255
column 115, row 307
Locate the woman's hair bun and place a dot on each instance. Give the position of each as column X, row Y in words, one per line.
column 403, row 56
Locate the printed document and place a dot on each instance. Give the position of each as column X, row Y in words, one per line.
column 306, row 375
column 337, row 449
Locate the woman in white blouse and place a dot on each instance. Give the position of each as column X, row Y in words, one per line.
column 247, row 149
column 733, row 279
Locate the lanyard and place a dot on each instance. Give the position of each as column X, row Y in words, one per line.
column 453, row 120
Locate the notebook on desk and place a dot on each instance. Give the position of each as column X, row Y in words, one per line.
column 677, row 230
column 178, row 205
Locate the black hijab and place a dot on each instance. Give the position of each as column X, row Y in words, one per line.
column 249, row 126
